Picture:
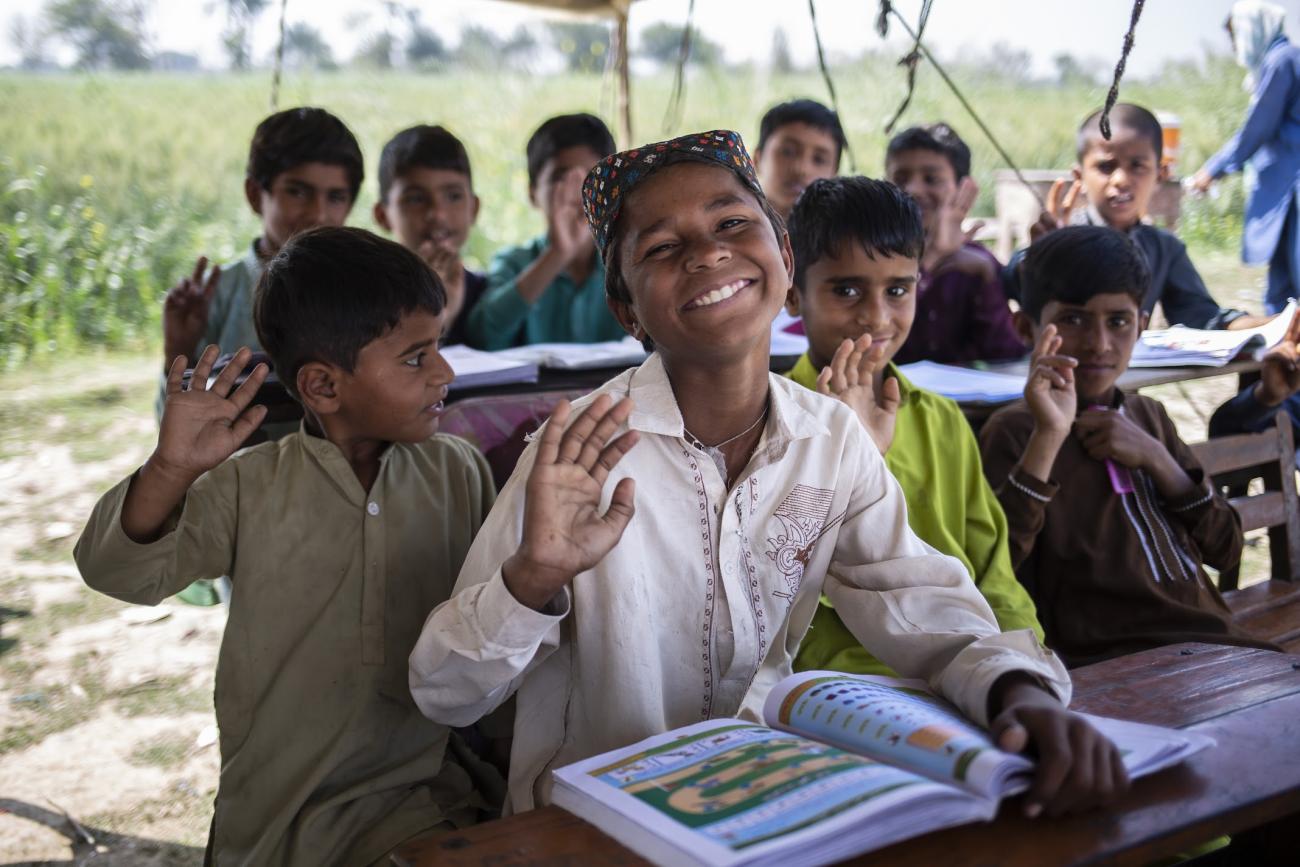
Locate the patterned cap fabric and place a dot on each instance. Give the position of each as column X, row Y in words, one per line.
column 614, row 177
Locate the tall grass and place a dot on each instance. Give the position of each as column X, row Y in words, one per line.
column 112, row 184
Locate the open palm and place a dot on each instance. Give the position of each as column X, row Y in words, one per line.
column 203, row 425
column 565, row 532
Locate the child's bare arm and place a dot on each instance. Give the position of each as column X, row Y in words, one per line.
column 201, row 427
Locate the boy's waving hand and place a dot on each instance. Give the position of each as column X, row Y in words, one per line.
column 850, row 377
column 201, row 427
column 564, row 531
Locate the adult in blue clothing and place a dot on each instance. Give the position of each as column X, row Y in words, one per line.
column 1269, row 140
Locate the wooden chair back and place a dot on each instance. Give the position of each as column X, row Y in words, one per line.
column 1232, row 462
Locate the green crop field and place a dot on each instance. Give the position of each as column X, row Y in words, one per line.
column 110, row 185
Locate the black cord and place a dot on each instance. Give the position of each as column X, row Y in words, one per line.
column 1113, row 95
column 911, row 60
column 965, row 103
column 826, row 76
column 676, row 102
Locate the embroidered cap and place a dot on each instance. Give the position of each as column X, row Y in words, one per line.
column 613, row 177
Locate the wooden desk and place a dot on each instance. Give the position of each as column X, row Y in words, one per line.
column 1249, row 700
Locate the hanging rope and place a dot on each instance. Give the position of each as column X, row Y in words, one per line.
column 826, row 76
column 970, row 109
column 1113, row 95
column 911, row 60
column 677, row 101
column 279, row 62
column 882, row 20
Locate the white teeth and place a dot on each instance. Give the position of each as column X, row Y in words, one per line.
column 722, row 293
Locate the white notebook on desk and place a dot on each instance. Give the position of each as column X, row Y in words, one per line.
column 579, row 356
column 475, row 369
column 964, row 384
column 1196, row 347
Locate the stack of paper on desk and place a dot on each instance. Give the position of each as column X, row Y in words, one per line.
column 474, row 369
column 579, row 356
column 963, row 383
column 1179, row 346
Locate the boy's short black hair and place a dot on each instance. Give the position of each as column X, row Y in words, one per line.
column 296, row 136
column 330, row 291
column 566, row 131
column 1073, row 264
column 1127, row 115
column 807, row 111
column 616, row 286
column 877, row 215
column 937, row 137
column 423, row 146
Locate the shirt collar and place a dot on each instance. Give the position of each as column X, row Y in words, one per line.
column 329, row 457
column 657, row 411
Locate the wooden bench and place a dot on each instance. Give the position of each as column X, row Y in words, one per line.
column 1270, row 609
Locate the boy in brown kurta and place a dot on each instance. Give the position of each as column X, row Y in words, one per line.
column 339, row 539
column 1111, row 519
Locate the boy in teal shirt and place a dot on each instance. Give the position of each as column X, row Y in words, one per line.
column 857, row 249
column 552, row 288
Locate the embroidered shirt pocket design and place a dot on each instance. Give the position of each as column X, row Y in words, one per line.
column 801, row 521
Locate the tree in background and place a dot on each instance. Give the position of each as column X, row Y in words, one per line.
column 240, row 15
column 306, row 48
column 424, row 48
column 585, row 46
column 662, row 43
column 107, row 34
column 30, row 37
column 782, row 62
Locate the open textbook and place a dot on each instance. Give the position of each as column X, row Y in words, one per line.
column 1179, row 346
column 845, row 764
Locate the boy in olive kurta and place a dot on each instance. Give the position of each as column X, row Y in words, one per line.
column 857, row 249
column 339, row 539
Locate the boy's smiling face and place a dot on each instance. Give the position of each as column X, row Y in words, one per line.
column 927, row 177
column 1120, row 176
column 1100, row 334
column 396, row 389
column 794, row 155
column 850, row 294
column 705, row 270
column 304, row 197
column 427, row 204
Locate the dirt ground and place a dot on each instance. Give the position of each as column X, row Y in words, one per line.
column 107, row 734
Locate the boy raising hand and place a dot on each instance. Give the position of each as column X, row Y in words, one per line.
column 1252, row 410
column 1113, row 562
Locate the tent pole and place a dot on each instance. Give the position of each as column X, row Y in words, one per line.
column 624, row 83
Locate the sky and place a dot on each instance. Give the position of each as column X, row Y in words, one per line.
column 1090, row 29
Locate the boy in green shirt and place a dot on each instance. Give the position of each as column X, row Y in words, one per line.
column 339, row 539
column 857, row 249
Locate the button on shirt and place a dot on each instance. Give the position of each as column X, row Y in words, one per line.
column 324, row 757
column 696, row 613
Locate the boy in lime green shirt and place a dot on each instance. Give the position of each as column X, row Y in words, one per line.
column 857, row 248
